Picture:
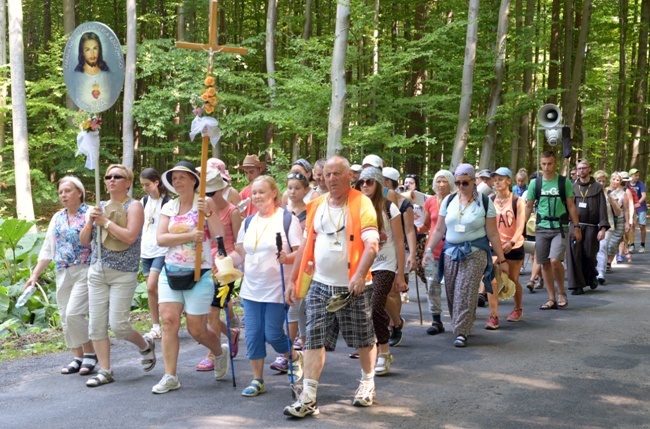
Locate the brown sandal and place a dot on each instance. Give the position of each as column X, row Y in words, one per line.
column 562, row 303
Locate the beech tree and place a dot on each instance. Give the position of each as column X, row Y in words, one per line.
column 339, row 88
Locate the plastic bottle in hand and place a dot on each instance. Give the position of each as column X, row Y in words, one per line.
column 429, row 272
column 243, row 204
column 305, row 280
column 27, row 293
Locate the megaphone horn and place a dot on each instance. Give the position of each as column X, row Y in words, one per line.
column 549, row 116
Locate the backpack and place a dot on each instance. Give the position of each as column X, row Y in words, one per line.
column 515, row 197
column 286, row 223
column 564, row 219
column 165, row 199
column 485, row 198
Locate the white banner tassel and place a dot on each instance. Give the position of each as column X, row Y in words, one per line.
column 88, row 144
column 207, row 126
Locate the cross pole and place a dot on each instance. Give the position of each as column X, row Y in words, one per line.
column 212, row 47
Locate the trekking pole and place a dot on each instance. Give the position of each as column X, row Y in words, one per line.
column 417, row 292
column 278, row 243
column 221, row 250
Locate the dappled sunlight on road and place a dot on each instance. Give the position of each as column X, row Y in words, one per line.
column 621, row 400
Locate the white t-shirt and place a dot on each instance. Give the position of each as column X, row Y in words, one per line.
column 387, row 256
column 330, row 258
column 149, row 247
column 262, row 281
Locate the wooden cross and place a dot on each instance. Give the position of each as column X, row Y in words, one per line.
column 212, row 48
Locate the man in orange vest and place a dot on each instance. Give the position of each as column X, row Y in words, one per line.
column 341, row 242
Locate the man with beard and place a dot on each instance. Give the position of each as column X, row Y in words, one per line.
column 592, row 214
column 93, row 92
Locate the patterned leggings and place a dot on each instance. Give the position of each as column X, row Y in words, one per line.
column 462, row 279
column 382, row 283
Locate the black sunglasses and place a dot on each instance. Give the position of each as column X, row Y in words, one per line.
column 366, row 182
column 296, row 176
column 463, row 183
column 411, row 176
column 115, row 176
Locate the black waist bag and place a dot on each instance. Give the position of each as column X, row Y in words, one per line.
column 182, row 280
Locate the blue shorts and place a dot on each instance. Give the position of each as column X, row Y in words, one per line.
column 152, row 264
column 641, row 217
column 196, row 300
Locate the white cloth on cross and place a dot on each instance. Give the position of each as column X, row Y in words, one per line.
column 88, row 144
column 207, row 126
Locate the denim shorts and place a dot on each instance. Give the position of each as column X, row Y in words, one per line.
column 152, row 264
column 196, row 300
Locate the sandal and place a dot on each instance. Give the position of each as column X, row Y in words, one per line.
column 549, row 305
column 354, row 355
column 531, row 286
column 562, row 303
column 148, row 362
column 102, row 377
column 206, row 364
column 257, row 386
column 88, row 364
column 72, row 367
column 609, row 270
column 540, row 283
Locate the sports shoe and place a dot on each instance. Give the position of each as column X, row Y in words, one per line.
column 492, row 324
column 436, row 328
column 281, row 364
column 396, row 335
column 365, row 393
column 302, row 408
column 222, row 363
column 167, row 383
column 482, row 299
column 234, row 341
column 642, row 249
column 630, row 248
column 619, row 258
column 297, row 344
column 601, row 278
column 296, row 369
column 515, row 315
column 384, row 360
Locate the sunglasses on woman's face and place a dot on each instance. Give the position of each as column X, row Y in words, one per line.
column 366, row 182
column 463, row 183
column 296, row 176
column 114, row 176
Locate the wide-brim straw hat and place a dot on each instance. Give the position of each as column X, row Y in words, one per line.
column 505, row 286
column 185, row 166
column 116, row 214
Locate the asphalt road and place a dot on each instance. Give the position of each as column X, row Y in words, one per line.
column 587, row 366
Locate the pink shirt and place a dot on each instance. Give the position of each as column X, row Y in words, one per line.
column 431, row 206
column 229, row 237
column 507, row 222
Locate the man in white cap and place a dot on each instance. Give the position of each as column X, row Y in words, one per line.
column 355, row 172
column 485, row 186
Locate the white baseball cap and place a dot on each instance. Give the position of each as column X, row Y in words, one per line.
column 356, row 168
column 373, row 160
column 390, row 173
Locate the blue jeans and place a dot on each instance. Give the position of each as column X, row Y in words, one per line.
column 264, row 324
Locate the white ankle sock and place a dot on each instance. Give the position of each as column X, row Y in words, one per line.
column 309, row 389
column 368, row 376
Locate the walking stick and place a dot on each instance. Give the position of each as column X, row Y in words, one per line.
column 278, row 243
column 221, row 250
column 417, row 292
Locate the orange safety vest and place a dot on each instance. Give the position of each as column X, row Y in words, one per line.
column 353, row 229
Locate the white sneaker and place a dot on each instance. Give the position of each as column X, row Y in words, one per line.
column 302, row 408
column 630, row 248
column 155, row 333
column 365, row 393
column 641, row 249
column 167, row 383
column 222, row 363
column 384, row 360
column 296, row 369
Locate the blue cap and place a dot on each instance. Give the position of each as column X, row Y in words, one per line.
column 502, row 171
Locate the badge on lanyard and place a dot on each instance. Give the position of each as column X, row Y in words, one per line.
column 459, row 228
column 335, row 246
column 582, row 205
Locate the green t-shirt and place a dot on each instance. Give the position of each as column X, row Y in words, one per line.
column 548, row 205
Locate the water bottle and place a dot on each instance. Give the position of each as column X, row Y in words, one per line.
column 243, row 204
column 27, row 293
column 307, row 275
column 430, row 271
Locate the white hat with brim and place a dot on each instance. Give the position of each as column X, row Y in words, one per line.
column 390, row 173
column 184, row 166
column 373, row 160
column 116, row 214
column 214, row 181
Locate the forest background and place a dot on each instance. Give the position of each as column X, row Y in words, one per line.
column 405, row 69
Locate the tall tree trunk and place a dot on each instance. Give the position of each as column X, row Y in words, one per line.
column 621, row 138
column 637, row 117
column 568, row 51
column 554, row 52
column 24, row 203
column 416, row 124
column 3, row 75
column 339, row 87
column 47, row 22
column 572, row 98
column 495, row 93
column 517, row 152
column 306, row 29
column 527, row 86
column 68, row 28
column 180, row 22
column 129, row 85
column 271, row 22
column 462, row 132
